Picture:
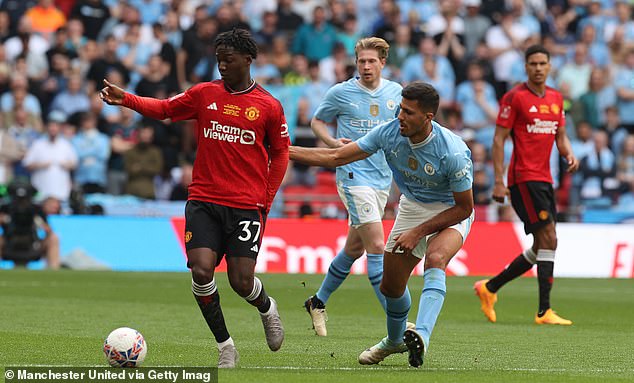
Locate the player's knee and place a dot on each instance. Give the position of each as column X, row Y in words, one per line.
column 201, row 273
column 242, row 285
column 391, row 291
column 435, row 260
column 375, row 247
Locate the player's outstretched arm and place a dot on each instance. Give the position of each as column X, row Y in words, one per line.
column 328, row 157
column 147, row 106
column 500, row 191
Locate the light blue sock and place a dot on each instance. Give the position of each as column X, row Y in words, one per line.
column 375, row 274
column 397, row 310
column 430, row 302
column 337, row 273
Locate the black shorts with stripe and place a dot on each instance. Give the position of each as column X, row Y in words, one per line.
column 534, row 203
column 225, row 230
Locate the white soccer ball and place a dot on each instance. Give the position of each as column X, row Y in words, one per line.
column 125, row 347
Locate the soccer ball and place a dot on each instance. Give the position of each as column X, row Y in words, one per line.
column 125, row 347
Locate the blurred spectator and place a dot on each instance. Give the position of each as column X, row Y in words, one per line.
column 287, row 20
column 15, row 10
column 18, row 95
column 615, row 130
column 93, row 151
column 447, row 28
column 582, row 144
column 576, row 74
column 179, row 192
column 228, row 18
column 73, row 99
column 5, row 26
column 599, row 170
column 625, row 168
column 134, row 54
column 505, row 40
column 76, row 37
column 625, row 91
column 400, row 50
column 348, row 36
column 156, row 82
column 334, row 66
column 389, row 20
column 598, row 52
column 414, row 66
column 51, row 159
column 623, row 21
column 58, row 46
column 476, row 24
column 280, row 55
column 93, row 14
column 142, row 163
column 298, row 75
column 478, row 104
column 197, row 60
column 597, row 99
column 123, row 137
column 105, row 63
column 262, row 70
column 150, row 10
column 45, row 18
column 268, row 30
column 315, row 40
column 11, row 151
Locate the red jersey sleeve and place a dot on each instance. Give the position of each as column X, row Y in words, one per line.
column 278, row 138
column 185, row 106
column 508, row 111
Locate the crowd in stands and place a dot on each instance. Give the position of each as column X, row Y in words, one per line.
column 56, row 131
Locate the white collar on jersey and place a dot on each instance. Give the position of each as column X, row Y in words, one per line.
column 248, row 88
column 371, row 91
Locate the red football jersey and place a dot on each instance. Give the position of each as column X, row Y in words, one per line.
column 533, row 121
column 235, row 129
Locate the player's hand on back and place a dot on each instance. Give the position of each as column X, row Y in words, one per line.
column 500, row 191
column 111, row 93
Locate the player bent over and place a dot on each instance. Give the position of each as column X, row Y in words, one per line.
column 432, row 168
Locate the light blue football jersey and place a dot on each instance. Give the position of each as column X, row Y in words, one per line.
column 358, row 111
column 429, row 171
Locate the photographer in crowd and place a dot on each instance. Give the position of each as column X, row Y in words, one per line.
column 22, row 222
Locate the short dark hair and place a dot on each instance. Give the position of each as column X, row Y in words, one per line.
column 240, row 40
column 425, row 94
column 537, row 48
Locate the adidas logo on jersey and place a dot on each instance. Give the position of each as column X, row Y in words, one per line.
column 533, row 109
column 255, row 248
column 212, row 106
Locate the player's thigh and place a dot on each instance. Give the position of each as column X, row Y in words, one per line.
column 534, row 203
column 203, row 235
column 396, row 271
column 372, row 237
column 364, row 204
column 442, row 247
column 243, row 230
column 354, row 244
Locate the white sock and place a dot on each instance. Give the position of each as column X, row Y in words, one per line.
column 225, row 343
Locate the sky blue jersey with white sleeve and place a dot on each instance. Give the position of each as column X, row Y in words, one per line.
column 357, row 111
column 429, row 171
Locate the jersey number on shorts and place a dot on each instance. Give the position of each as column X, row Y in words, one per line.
column 246, row 231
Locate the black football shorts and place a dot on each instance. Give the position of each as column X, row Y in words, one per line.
column 534, row 203
column 226, row 230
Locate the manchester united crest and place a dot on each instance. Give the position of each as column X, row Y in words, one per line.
column 252, row 113
column 412, row 163
column 543, row 215
column 374, row 110
column 555, row 108
column 188, row 236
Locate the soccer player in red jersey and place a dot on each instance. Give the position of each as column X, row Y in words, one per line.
column 242, row 157
column 532, row 114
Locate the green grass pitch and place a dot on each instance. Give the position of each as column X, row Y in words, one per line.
column 62, row 318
